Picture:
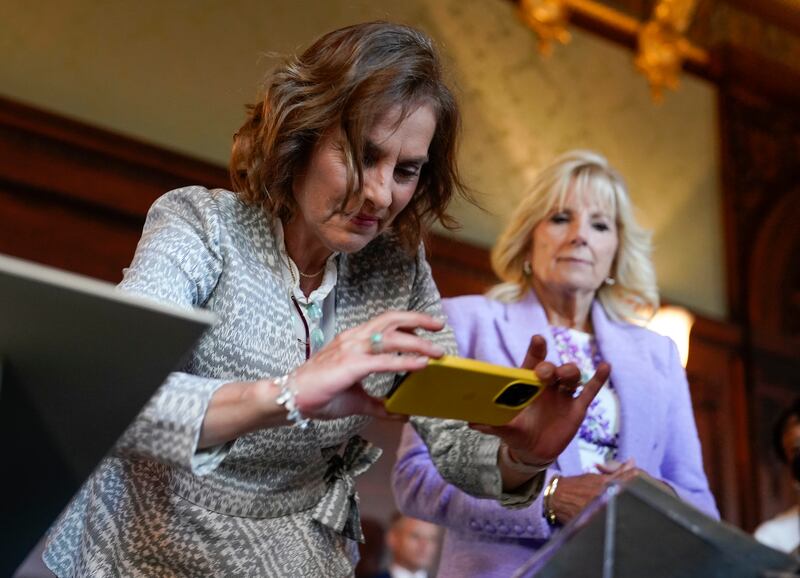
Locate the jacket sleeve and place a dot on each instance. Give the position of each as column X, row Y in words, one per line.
column 464, row 457
column 177, row 261
column 421, row 492
column 682, row 464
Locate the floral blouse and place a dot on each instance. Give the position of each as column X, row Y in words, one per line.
column 598, row 436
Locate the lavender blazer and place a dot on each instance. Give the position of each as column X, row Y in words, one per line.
column 657, row 430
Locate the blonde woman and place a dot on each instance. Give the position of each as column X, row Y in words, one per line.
column 576, row 269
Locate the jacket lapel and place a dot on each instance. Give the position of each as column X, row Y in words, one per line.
column 356, row 304
column 618, row 346
column 632, row 376
column 519, row 322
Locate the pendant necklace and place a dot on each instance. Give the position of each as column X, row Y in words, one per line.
column 309, row 311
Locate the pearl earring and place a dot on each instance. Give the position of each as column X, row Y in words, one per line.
column 609, row 281
column 527, row 268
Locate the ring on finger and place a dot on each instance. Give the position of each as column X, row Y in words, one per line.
column 376, row 343
column 573, row 392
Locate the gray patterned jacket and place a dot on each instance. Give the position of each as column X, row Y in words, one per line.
column 277, row 502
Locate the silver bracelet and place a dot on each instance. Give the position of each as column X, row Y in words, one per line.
column 286, row 399
column 520, row 467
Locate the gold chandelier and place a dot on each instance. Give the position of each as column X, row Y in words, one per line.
column 548, row 19
column 662, row 46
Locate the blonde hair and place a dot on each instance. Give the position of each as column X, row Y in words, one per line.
column 634, row 295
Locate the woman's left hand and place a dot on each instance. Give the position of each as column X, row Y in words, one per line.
column 329, row 385
column 627, row 470
column 543, row 429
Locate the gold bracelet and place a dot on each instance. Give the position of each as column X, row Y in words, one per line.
column 549, row 491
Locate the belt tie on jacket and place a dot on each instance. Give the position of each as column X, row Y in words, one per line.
column 338, row 508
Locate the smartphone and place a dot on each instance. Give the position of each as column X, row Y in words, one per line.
column 466, row 389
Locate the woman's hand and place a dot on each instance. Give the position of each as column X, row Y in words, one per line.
column 628, row 470
column 328, row 385
column 573, row 493
column 543, row 429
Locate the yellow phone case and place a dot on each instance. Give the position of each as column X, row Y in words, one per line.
column 465, row 389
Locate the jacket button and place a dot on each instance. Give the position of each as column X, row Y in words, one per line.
column 473, row 525
column 489, row 527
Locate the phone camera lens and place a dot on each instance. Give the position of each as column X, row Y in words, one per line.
column 516, row 394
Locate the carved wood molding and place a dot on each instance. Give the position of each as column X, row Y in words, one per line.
column 762, row 204
column 760, row 137
column 774, row 307
column 81, row 161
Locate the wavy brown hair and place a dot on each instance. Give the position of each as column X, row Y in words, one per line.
column 347, row 80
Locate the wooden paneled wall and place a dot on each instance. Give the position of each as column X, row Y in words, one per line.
column 760, row 136
column 75, row 197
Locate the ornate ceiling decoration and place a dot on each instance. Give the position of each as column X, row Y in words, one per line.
column 662, row 44
column 669, row 35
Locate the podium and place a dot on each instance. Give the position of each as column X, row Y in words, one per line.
column 78, row 361
column 639, row 530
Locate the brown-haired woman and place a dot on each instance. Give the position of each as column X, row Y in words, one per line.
column 243, row 463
